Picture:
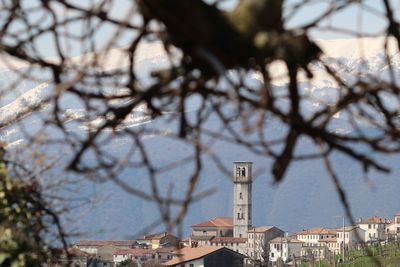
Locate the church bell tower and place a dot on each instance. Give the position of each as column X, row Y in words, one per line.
column 242, row 181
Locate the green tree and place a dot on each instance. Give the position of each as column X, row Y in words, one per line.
column 26, row 222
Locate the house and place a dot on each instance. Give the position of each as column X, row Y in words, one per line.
column 392, row 230
column 313, row 245
column 374, row 228
column 135, row 254
column 258, row 239
column 103, row 249
column 75, row 257
column 155, row 241
column 141, row 256
column 203, row 232
column 92, row 246
column 237, row 244
column 285, row 248
column 332, row 244
column 207, row 256
column 351, row 236
column 313, row 236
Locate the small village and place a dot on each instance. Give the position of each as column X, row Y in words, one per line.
column 235, row 241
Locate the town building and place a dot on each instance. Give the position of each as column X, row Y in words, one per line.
column 258, row 239
column 75, row 258
column 237, row 244
column 351, row 236
column 333, row 245
column 313, row 245
column 144, row 256
column 206, row 256
column 92, row 246
column 285, row 248
column 242, row 198
column 103, row 250
column 204, row 232
column 155, row 241
column 374, row 227
column 392, row 230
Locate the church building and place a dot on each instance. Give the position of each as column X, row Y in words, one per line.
column 237, row 233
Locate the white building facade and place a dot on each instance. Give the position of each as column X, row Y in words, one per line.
column 285, row 248
column 374, row 228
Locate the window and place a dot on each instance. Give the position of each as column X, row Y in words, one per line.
column 272, row 254
column 369, row 226
column 243, row 172
column 238, row 216
column 240, row 195
column 191, row 265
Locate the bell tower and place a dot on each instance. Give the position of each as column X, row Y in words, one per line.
column 242, row 181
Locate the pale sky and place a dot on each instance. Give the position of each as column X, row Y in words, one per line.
column 367, row 21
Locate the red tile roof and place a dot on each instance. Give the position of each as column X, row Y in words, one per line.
column 374, row 219
column 189, row 254
column 72, row 251
column 318, row 231
column 134, row 251
column 100, row 243
column 154, row 236
column 216, row 222
column 228, row 239
column 347, row 228
column 260, row 229
column 166, row 250
column 201, row 237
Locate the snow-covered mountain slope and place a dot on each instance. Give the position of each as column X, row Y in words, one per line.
column 306, row 198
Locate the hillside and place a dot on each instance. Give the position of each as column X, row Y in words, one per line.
column 306, row 198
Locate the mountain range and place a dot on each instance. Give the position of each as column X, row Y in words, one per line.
column 306, row 198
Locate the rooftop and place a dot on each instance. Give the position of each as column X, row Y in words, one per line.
column 318, row 231
column 374, row 219
column 154, row 236
column 201, row 237
column 143, row 251
column 216, row 222
column 260, row 229
column 347, row 228
column 228, row 239
column 134, row 251
column 100, row 243
column 189, row 254
column 72, row 251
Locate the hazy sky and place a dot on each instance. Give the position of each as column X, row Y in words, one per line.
column 368, row 20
